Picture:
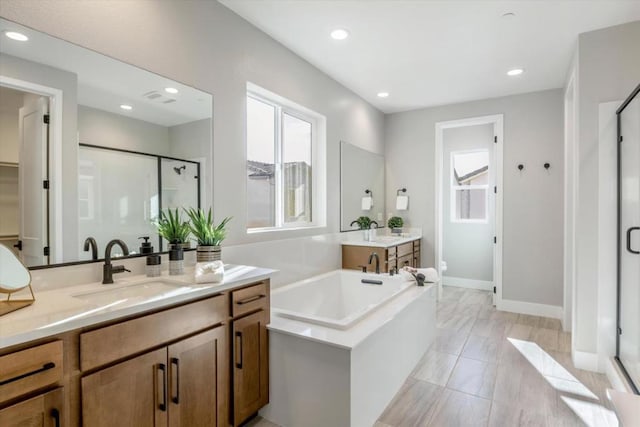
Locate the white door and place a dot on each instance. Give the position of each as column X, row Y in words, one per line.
column 630, row 240
column 33, row 161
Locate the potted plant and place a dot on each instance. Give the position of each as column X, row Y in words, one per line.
column 172, row 228
column 395, row 223
column 208, row 235
column 363, row 222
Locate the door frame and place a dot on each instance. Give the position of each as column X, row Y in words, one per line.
column 55, row 159
column 498, row 128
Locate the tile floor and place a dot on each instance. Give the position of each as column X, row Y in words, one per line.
column 493, row 368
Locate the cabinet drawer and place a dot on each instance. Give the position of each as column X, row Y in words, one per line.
column 250, row 299
column 118, row 341
column 392, row 252
column 416, row 245
column 405, row 249
column 27, row 370
column 405, row 261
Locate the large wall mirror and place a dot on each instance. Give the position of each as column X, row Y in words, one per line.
column 91, row 147
column 361, row 186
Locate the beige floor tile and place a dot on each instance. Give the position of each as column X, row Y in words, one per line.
column 490, row 328
column 435, row 367
column 547, row 339
column 564, row 342
column 505, row 315
column 413, row 405
column 549, row 323
column 458, row 322
column 519, row 331
column 455, row 409
column 526, row 319
column 473, row 377
column 449, row 341
column 469, row 309
column 475, row 297
column 486, row 349
column 515, row 415
column 380, row 424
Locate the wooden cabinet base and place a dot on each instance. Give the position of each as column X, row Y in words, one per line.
column 45, row 410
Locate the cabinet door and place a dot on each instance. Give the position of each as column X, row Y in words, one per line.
column 198, row 385
column 354, row 257
column 44, row 410
column 131, row 393
column 250, row 365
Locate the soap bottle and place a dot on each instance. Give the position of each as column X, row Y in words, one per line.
column 176, row 260
column 145, row 247
column 153, row 268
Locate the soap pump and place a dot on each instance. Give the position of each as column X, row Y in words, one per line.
column 145, row 247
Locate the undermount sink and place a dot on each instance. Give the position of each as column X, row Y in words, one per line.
column 133, row 294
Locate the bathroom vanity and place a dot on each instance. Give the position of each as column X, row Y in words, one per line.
column 392, row 252
column 191, row 355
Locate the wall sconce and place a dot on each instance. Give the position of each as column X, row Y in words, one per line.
column 402, row 200
column 367, row 201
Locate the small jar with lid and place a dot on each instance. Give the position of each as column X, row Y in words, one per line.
column 176, row 261
column 153, row 268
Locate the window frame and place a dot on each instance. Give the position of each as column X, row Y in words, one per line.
column 454, row 188
column 281, row 107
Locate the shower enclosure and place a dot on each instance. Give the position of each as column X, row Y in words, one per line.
column 628, row 316
column 121, row 194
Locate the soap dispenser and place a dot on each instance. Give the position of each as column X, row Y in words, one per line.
column 145, row 247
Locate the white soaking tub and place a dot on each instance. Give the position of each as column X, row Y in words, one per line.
column 337, row 299
column 340, row 349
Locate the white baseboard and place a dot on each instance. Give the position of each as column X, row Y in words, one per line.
column 587, row 361
column 616, row 377
column 461, row 282
column 530, row 308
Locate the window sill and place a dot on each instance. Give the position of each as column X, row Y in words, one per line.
column 276, row 229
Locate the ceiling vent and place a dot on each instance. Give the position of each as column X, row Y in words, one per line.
column 158, row 97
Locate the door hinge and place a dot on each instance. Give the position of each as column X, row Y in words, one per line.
column 495, row 190
column 46, row 118
column 495, row 139
column 46, row 251
column 45, row 184
column 494, row 289
column 495, row 239
column 619, row 331
column 620, row 138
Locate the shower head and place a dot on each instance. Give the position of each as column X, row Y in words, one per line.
column 180, row 169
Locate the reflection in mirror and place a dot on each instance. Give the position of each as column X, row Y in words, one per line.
column 53, row 95
column 13, row 277
column 360, row 170
column 470, row 183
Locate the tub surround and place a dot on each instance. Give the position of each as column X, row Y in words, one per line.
column 61, row 309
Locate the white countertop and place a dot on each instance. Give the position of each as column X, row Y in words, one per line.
column 382, row 241
column 64, row 309
column 351, row 337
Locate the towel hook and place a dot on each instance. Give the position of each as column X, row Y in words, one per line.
column 547, row 165
column 401, row 190
column 369, row 192
column 520, row 167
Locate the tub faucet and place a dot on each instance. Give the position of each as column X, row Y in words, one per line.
column 90, row 242
column 107, row 269
column 371, row 257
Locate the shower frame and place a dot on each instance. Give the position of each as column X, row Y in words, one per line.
column 159, row 160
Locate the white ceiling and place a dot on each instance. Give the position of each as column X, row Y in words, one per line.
column 429, row 53
column 105, row 83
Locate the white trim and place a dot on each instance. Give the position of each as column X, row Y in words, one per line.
column 498, row 124
column 531, row 308
column 616, row 377
column 55, row 159
column 586, row 360
column 462, row 282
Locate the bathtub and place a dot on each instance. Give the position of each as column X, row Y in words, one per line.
column 337, row 299
column 339, row 349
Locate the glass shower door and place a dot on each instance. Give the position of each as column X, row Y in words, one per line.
column 180, row 186
column 629, row 250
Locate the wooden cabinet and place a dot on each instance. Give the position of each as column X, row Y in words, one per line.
column 354, row 257
column 44, row 410
column 250, row 358
column 184, row 384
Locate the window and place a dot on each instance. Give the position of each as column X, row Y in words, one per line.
column 469, row 186
column 283, row 164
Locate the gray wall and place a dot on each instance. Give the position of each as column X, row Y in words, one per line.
column 99, row 127
column 21, row 69
column 533, row 200
column 216, row 51
column 467, row 248
column 608, row 69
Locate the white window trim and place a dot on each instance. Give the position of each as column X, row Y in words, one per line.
column 453, row 187
column 318, row 160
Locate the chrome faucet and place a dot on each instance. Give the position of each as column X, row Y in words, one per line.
column 90, row 242
column 371, row 257
column 107, row 269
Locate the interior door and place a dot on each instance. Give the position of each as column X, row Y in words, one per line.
column 33, row 171
column 198, row 370
column 629, row 351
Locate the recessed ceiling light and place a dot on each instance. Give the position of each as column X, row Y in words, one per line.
column 383, row 94
column 515, row 72
column 339, row 34
column 13, row 35
column 171, row 90
column 126, row 107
